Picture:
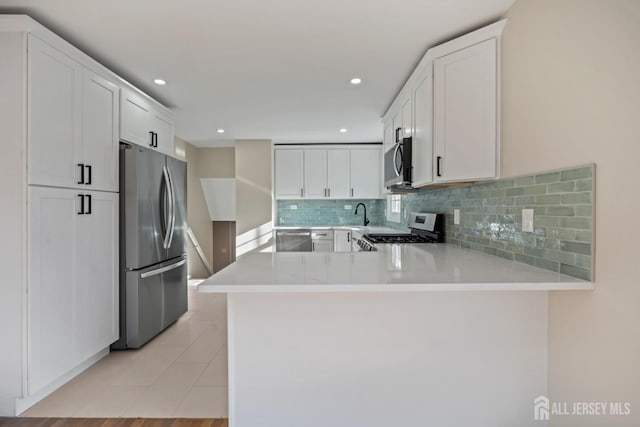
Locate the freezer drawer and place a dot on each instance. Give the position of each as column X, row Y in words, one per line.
column 155, row 298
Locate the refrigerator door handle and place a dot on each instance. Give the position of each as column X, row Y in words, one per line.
column 167, row 219
column 163, row 269
column 172, row 209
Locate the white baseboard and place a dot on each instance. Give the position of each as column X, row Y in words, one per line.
column 22, row 404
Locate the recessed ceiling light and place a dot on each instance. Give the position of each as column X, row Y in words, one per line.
column 343, row 130
column 356, row 81
column 220, row 131
column 160, row 82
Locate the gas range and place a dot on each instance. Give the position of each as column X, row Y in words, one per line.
column 397, row 238
column 425, row 228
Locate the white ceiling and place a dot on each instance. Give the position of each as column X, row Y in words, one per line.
column 264, row 69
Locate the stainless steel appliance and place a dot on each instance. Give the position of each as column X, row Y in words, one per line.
column 293, row 240
column 153, row 244
column 362, row 245
column 425, row 228
column 398, row 166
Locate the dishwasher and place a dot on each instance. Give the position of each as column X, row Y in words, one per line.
column 298, row 240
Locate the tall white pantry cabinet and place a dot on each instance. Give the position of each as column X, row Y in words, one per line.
column 59, row 117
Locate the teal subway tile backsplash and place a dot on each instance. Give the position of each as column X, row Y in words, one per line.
column 491, row 218
column 328, row 212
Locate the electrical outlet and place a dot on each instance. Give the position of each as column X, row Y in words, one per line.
column 527, row 220
column 293, row 207
column 347, row 207
column 456, row 216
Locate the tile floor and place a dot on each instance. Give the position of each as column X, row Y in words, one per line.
column 182, row 373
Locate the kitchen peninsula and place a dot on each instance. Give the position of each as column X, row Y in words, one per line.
column 411, row 335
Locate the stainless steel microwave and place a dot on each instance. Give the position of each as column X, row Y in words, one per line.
column 397, row 166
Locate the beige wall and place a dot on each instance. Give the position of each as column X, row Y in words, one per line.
column 571, row 95
column 253, row 193
column 203, row 163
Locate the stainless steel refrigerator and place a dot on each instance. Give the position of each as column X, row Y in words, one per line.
column 153, row 244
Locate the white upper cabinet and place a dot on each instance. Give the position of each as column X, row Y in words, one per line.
column 143, row 123
column 338, row 179
column 450, row 106
column 135, row 119
column 163, row 127
column 73, row 122
column 422, row 142
column 397, row 126
column 54, row 116
column 407, row 116
column 289, row 178
column 365, row 173
column 465, row 114
column 388, row 139
column 315, row 174
column 100, row 132
column 327, row 173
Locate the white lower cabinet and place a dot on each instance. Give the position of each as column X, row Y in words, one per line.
column 322, row 246
column 53, row 277
column 342, row 240
column 97, row 304
column 72, row 280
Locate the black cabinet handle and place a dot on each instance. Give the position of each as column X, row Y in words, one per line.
column 348, row 237
column 438, row 165
column 152, row 138
column 155, row 139
column 88, row 212
column 89, row 175
column 81, row 166
column 398, row 134
column 81, row 204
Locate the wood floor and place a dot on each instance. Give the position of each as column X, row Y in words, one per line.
column 111, row 422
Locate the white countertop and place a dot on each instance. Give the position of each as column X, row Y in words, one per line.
column 359, row 228
column 395, row 268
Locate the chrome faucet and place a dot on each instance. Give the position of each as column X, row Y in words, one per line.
column 366, row 221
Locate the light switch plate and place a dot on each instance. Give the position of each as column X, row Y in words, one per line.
column 527, row 220
column 456, row 216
